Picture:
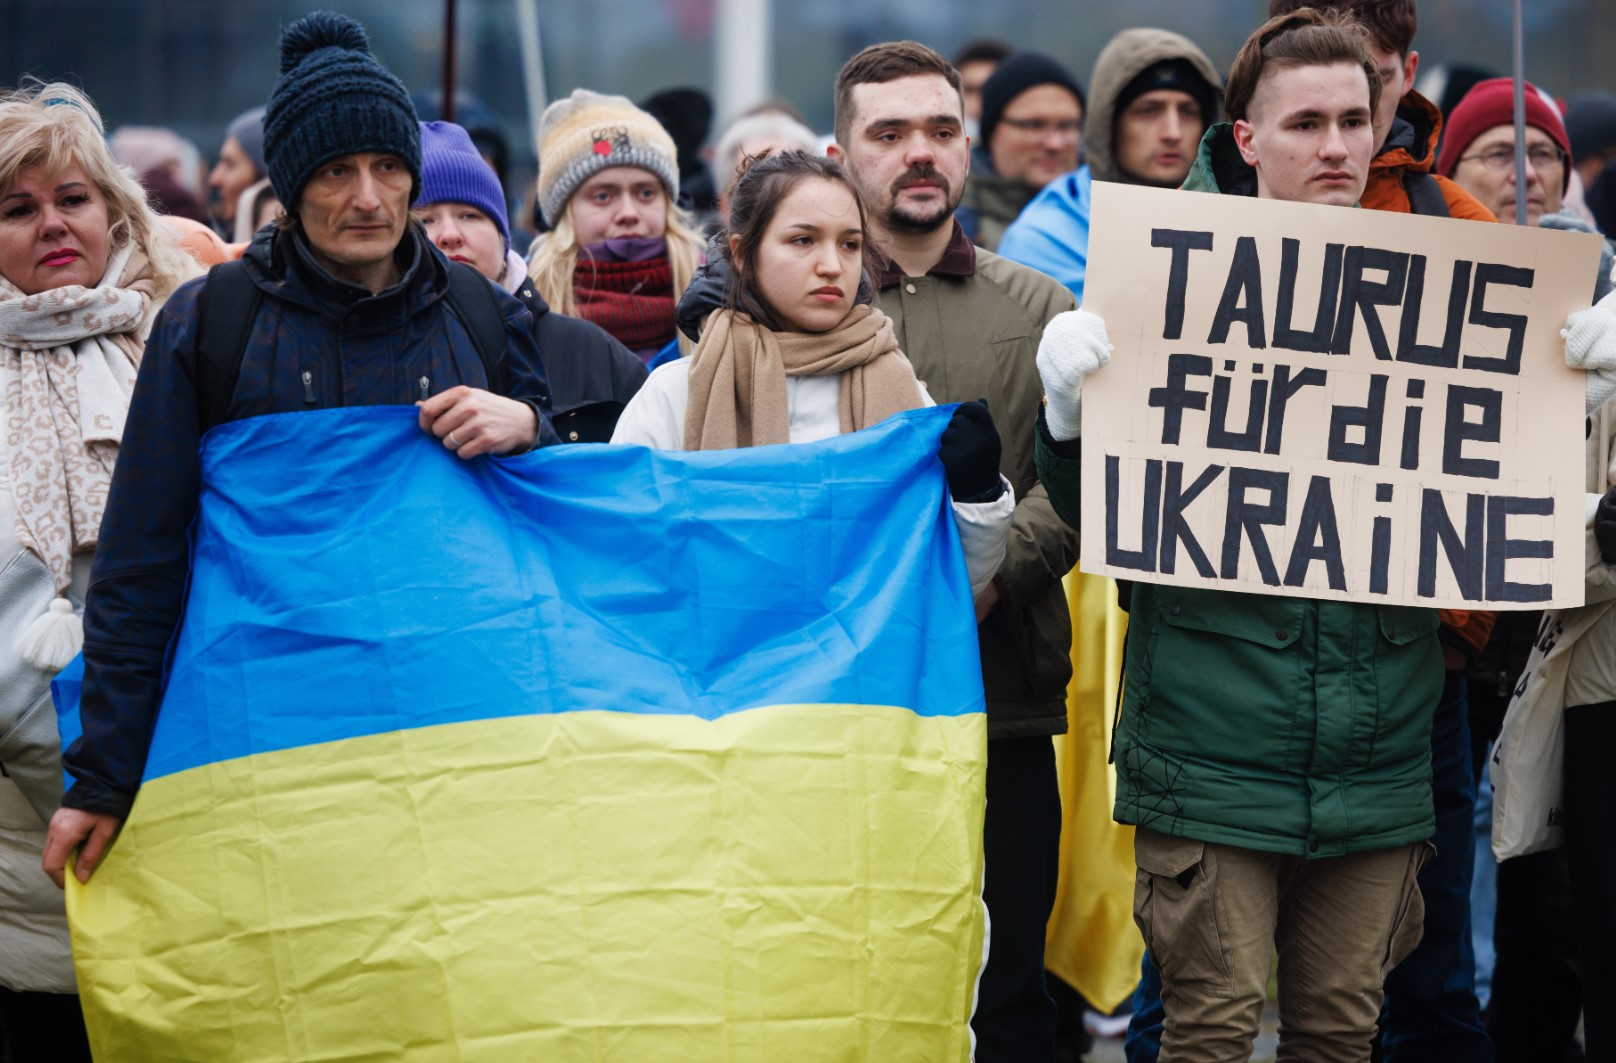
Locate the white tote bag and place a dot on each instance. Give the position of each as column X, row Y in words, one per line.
column 1528, row 758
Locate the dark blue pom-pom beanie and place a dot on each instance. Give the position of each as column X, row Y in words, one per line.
column 333, row 98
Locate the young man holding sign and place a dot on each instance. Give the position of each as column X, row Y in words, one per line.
column 1244, row 840
column 1274, row 747
column 1431, row 1012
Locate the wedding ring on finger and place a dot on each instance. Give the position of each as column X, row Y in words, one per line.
column 454, row 444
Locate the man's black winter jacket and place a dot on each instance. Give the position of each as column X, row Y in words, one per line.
column 315, row 343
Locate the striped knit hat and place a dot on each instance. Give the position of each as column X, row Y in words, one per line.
column 589, row 132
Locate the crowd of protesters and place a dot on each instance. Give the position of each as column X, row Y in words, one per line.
column 346, row 249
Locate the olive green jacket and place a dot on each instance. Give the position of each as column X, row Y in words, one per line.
column 972, row 337
column 1288, row 725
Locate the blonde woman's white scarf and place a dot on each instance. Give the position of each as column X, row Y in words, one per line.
column 68, row 358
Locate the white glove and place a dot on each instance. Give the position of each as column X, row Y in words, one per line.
column 1590, row 344
column 1074, row 345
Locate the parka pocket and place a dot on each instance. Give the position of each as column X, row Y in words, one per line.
column 1267, row 620
column 1403, row 624
column 1215, row 654
column 1406, row 682
column 1175, row 907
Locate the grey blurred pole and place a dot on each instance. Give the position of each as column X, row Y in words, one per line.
column 527, row 24
column 451, row 45
column 743, row 46
column 1520, row 116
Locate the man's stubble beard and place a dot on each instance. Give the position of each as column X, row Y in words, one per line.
column 898, row 220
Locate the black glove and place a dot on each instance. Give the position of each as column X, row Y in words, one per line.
column 969, row 452
column 1604, row 523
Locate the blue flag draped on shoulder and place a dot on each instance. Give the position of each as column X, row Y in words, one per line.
column 597, row 753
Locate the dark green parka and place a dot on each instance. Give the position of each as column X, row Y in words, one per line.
column 1288, row 725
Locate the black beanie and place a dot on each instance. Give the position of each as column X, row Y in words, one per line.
column 333, row 98
column 1016, row 75
column 687, row 115
column 1178, row 74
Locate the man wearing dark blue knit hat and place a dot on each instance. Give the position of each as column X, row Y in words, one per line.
column 343, row 303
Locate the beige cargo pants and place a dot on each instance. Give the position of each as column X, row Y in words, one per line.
column 1213, row 916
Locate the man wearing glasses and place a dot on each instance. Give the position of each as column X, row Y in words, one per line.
column 1479, row 154
column 1479, row 151
column 1032, row 130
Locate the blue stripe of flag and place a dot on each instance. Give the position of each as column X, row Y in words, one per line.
column 352, row 577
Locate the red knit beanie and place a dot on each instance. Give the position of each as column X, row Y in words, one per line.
column 1492, row 103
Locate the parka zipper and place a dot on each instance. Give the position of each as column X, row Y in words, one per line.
column 308, row 387
column 426, row 386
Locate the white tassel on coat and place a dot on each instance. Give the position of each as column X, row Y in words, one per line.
column 54, row 638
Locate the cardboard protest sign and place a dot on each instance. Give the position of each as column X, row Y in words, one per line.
column 1333, row 403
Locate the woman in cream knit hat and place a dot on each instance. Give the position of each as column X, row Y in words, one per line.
column 620, row 251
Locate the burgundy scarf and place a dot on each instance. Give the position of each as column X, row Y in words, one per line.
column 631, row 300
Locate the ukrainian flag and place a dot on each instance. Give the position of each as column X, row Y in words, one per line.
column 597, row 753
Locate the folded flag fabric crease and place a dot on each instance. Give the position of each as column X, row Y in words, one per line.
column 596, row 753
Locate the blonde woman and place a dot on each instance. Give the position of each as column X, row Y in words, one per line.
column 84, row 267
column 619, row 251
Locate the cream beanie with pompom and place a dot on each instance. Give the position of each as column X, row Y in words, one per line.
column 589, row 132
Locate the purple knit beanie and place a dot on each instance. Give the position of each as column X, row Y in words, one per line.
column 453, row 171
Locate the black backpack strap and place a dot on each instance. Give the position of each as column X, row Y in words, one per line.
column 472, row 300
column 1425, row 195
column 226, row 308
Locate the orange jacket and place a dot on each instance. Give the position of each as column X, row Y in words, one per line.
column 1466, row 630
column 1411, row 148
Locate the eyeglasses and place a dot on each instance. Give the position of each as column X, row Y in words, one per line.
column 1042, row 127
column 1543, row 157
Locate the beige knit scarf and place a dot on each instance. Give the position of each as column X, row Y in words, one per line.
column 738, row 377
column 67, row 359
